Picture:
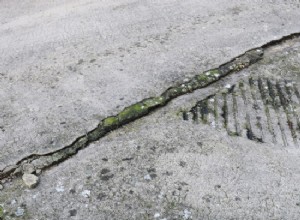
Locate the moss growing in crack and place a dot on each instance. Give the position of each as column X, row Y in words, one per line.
column 96, row 133
column 205, row 78
column 1, row 212
column 153, row 102
column 132, row 112
column 173, row 92
column 202, row 77
column 212, row 74
column 80, row 143
column 110, row 122
column 193, row 84
column 58, row 156
column 214, row 71
column 233, row 133
column 70, row 151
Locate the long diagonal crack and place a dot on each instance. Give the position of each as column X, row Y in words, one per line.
column 142, row 108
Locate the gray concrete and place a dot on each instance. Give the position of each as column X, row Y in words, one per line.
column 65, row 66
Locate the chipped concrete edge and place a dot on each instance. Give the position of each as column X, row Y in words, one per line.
column 140, row 109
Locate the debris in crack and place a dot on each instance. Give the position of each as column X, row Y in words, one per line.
column 28, row 168
column 30, row 180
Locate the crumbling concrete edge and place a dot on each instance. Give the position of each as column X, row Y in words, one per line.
column 140, row 109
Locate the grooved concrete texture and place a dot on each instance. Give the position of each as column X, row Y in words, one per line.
column 67, row 64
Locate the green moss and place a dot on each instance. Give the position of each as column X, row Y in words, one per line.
column 96, row 133
column 209, row 74
column 214, row 71
column 81, row 143
column 110, row 122
column 58, row 156
column 173, row 92
column 156, row 101
column 202, row 77
column 233, row 133
column 193, row 84
column 1, row 212
column 132, row 112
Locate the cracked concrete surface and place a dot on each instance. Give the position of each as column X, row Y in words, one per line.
column 65, row 66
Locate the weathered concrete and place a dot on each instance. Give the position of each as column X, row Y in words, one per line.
column 163, row 167
column 68, row 65
column 65, row 66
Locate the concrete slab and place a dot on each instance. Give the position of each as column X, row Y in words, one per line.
column 66, row 65
column 164, row 167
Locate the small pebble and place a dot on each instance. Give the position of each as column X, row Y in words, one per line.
column 30, row 180
column 19, row 212
column 228, row 86
column 13, row 202
column 156, row 215
column 60, row 188
column 147, row 177
column 86, row 193
column 1, row 187
column 187, row 214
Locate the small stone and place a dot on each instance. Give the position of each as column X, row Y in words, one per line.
column 19, row 212
column 38, row 171
column 217, row 75
column 227, row 86
column 1, row 187
column 156, row 215
column 30, row 180
column 187, row 214
column 86, row 193
column 28, row 168
column 147, row 177
column 60, row 188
